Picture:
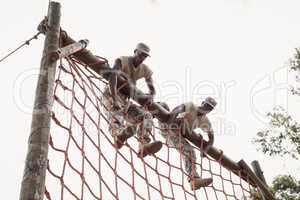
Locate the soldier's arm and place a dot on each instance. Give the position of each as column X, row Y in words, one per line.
column 113, row 81
column 211, row 139
column 176, row 111
column 179, row 109
column 150, row 85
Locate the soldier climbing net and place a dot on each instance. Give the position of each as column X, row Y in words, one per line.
column 84, row 164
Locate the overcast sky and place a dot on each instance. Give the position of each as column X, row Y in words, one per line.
column 233, row 50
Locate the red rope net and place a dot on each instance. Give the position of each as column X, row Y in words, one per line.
column 84, row 164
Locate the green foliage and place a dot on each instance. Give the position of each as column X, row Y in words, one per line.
column 284, row 187
column 254, row 195
column 282, row 137
column 295, row 67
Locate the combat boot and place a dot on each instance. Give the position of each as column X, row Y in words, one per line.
column 197, row 183
column 149, row 148
column 123, row 136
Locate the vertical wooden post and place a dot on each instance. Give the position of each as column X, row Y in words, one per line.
column 33, row 183
column 259, row 173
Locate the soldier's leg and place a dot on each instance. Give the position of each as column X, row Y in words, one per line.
column 189, row 159
column 124, row 124
column 114, row 117
column 189, row 162
column 143, row 129
column 131, row 117
column 116, row 121
column 146, row 147
column 187, row 151
column 135, row 121
column 141, row 121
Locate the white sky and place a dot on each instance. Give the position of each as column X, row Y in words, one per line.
column 209, row 46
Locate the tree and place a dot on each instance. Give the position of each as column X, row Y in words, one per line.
column 282, row 137
column 284, row 187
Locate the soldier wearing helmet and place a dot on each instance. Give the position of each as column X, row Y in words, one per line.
column 190, row 117
column 132, row 69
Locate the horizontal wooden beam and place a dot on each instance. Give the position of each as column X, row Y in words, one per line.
column 263, row 187
column 71, row 49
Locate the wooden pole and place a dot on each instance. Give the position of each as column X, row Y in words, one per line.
column 259, row 173
column 257, row 170
column 71, row 49
column 33, row 183
column 261, row 185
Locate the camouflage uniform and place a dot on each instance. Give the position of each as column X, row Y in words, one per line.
column 119, row 120
column 174, row 138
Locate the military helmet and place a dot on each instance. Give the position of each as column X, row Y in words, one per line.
column 210, row 101
column 142, row 47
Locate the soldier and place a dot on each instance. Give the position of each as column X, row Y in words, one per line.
column 122, row 124
column 192, row 117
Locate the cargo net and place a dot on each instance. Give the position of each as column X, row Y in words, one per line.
column 84, row 163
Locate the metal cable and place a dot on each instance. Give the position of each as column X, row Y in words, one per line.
column 27, row 42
